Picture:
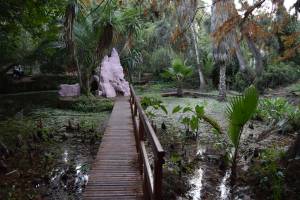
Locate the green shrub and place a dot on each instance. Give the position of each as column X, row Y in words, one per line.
column 279, row 111
column 242, row 80
column 153, row 103
column 92, row 104
column 268, row 172
column 278, row 74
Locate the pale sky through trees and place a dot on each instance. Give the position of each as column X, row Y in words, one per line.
column 267, row 5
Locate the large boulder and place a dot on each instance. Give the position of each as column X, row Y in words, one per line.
column 112, row 81
column 69, row 90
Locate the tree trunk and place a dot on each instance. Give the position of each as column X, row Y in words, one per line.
column 222, row 82
column 140, row 76
column 240, row 57
column 85, row 87
column 201, row 77
column 69, row 40
column 179, row 90
column 233, row 168
column 257, row 55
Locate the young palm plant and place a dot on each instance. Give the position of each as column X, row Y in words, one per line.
column 178, row 72
column 239, row 111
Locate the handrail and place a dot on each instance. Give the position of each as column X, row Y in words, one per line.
column 152, row 182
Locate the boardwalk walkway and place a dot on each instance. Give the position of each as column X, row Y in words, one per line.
column 115, row 173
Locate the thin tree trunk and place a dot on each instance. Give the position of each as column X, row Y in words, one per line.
column 257, row 56
column 179, row 90
column 140, row 76
column 75, row 60
column 199, row 66
column 69, row 40
column 85, row 87
column 240, row 57
column 222, row 82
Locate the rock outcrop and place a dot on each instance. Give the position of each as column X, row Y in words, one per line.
column 112, row 81
column 69, row 90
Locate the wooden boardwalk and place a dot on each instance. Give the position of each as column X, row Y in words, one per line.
column 115, row 173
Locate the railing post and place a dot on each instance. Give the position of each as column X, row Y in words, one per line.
column 141, row 129
column 140, row 136
column 158, row 175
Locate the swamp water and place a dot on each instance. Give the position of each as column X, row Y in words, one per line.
column 54, row 164
column 207, row 178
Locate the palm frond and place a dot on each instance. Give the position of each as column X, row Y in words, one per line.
column 239, row 111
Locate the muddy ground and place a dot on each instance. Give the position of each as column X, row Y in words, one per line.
column 197, row 165
column 46, row 151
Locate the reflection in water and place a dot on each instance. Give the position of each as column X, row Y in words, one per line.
column 81, row 177
column 197, row 182
column 197, row 178
column 65, row 156
column 224, row 188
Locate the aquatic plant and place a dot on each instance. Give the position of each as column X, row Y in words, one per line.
column 278, row 111
column 196, row 115
column 153, row 103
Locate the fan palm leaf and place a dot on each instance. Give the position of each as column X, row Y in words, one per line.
column 239, row 111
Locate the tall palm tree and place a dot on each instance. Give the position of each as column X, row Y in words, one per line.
column 223, row 42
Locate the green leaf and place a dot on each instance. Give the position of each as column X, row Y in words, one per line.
column 239, row 111
column 199, row 111
column 176, row 109
column 164, row 109
column 187, row 109
column 194, row 123
column 186, row 121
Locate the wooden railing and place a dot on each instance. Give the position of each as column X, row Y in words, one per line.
column 152, row 181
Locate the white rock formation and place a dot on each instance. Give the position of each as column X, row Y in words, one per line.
column 112, row 81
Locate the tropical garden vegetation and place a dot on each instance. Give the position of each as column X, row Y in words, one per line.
column 219, row 79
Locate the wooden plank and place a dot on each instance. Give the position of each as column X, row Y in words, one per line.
column 115, row 172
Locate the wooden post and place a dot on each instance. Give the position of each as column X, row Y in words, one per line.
column 135, row 109
column 147, row 196
column 141, row 128
column 158, row 175
column 140, row 138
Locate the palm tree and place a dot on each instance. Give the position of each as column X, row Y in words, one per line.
column 178, row 72
column 86, row 36
column 239, row 112
column 223, row 42
column 91, row 32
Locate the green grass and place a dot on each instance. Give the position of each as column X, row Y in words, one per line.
column 295, row 88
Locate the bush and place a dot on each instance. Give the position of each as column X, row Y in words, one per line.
column 242, row 80
column 268, row 173
column 278, row 110
column 278, row 74
column 92, row 104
